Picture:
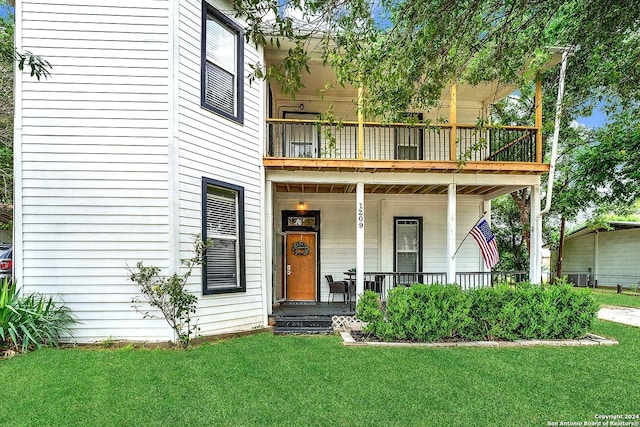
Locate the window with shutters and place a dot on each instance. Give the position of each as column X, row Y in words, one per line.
column 223, row 226
column 222, row 64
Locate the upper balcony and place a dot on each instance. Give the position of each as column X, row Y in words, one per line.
column 296, row 144
column 445, row 139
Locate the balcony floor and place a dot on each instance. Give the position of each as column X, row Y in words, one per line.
column 346, row 165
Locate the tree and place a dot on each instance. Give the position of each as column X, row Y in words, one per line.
column 436, row 42
column 383, row 44
column 509, row 232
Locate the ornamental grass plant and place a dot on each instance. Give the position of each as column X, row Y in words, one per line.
column 31, row 321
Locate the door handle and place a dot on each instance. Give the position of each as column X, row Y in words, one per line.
column 288, row 269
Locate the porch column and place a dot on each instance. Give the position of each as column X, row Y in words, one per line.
column 360, row 124
column 453, row 111
column 359, row 239
column 596, row 252
column 538, row 118
column 535, row 237
column 451, row 233
column 268, row 249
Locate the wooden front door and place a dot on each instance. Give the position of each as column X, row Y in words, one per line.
column 301, row 266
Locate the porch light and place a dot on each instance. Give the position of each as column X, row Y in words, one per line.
column 301, row 206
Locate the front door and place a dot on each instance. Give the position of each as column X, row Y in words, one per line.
column 301, row 266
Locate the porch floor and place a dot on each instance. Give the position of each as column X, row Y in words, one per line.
column 317, row 309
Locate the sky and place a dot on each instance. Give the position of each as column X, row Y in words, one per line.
column 596, row 120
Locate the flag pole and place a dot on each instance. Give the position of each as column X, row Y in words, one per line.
column 468, row 232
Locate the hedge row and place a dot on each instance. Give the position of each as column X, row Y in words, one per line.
column 429, row 313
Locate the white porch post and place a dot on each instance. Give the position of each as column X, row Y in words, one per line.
column 535, row 236
column 359, row 239
column 268, row 249
column 596, row 253
column 451, row 233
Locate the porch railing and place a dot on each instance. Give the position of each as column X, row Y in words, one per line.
column 382, row 282
column 399, row 141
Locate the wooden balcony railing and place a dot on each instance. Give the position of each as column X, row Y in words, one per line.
column 289, row 138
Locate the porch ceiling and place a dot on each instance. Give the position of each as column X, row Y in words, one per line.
column 314, row 188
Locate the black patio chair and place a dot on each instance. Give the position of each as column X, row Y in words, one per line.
column 338, row 287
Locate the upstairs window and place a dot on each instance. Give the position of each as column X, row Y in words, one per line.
column 223, row 225
column 408, row 139
column 222, row 64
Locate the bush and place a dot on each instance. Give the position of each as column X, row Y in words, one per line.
column 422, row 313
column 32, row 321
column 369, row 307
column 529, row 311
column 168, row 294
column 440, row 312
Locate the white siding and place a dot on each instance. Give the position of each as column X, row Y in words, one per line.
column 338, row 231
column 619, row 257
column 214, row 147
column 92, row 153
column 579, row 254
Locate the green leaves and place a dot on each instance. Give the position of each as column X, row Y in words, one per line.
column 440, row 312
column 168, row 294
column 32, row 321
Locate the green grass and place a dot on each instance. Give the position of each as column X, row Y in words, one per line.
column 304, row 381
column 610, row 297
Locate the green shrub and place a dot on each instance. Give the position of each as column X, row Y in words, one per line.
column 168, row 293
column 31, row 321
column 485, row 306
column 438, row 312
column 422, row 313
column 529, row 311
column 368, row 308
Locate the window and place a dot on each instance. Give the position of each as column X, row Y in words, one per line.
column 408, row 249
column 223, row 224
column 408, row 140
column 222, row 64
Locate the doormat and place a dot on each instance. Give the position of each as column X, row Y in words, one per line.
column 299, row 303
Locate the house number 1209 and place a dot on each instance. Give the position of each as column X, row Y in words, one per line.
column 360, row 214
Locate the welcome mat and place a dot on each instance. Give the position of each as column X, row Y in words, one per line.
column 299, row 303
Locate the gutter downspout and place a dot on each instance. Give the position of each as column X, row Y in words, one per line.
column 535, row 267
column 566, row 51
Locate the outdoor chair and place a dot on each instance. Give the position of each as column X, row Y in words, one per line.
column 338, row 287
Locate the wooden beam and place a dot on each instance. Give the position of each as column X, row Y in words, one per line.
column 416, row 166
column 452, row 122
column 538, row 103
column 360, row 124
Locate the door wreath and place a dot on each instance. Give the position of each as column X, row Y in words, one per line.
column 300, row 248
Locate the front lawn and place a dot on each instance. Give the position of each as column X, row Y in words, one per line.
column 608, row 297
column 295, row 380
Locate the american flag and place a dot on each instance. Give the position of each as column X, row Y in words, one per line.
column 483, row 235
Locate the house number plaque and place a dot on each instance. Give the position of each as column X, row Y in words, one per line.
column 360, row 215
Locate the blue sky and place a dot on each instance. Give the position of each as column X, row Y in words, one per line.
column 4, row 9
column 597, row 118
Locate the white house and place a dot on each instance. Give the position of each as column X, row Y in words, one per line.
column 149, row 132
